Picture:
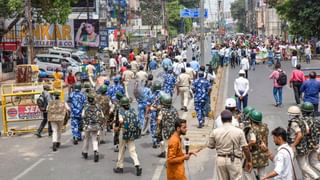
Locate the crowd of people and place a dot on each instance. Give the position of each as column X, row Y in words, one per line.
column 239, row 133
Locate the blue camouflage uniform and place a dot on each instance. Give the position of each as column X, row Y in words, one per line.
column 201, row 88
column 77, row 101
column 169, row 83
column 142, row 103
column 154, row 100
column 114, row 89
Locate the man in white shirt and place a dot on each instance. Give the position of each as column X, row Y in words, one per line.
column 231, row 106
column 244, row 65
column 241, row 88
column 283, row 160
column 113, row 66
column 141, row 74
column 90, row 70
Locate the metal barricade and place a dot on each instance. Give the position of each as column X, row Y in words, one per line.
column 19, row 105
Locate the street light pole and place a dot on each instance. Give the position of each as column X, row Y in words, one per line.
column 30, row 34
column 202, row 32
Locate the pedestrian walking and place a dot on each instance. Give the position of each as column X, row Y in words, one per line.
column 76, row 102
column 141, row 74
column 167, row 117
column 244, row 65
column 175, row 156
column 91, row 72
column 296, row 80
column 92, row 116
column 57, row 110
column 283, row 160
column 241, row 88
column 42, row 103
column 294, row 58
column 129, row 131
column 277, row 88
column 201, row 89
column 229, row 142
column 183, row 88
column 127, row 76
column 169, row 82
column 307, row 52
column 310, row 90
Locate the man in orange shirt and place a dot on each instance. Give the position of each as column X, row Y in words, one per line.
column 296, row 80
column 175, row 156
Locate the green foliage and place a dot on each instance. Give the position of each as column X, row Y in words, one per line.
column 238, row 13
column 302, row 16
column 190, row 3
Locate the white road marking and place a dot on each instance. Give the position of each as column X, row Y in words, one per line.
column 26, row 171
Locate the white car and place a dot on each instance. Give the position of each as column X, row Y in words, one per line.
column 49, row 63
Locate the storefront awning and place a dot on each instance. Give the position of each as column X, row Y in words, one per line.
column 9, row 46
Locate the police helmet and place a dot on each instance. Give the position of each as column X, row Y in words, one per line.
column 124, row 101
column 156, row 86
column 201, row 74
column 307, row 107
column 119, row 95
column 166, row 99
column 106, row 82
column 248, row 110
column 90, row 98
column 104, row 89
column 116, row 79
column 294, row 110
column 256, row 116
column 77, row 86
column 230, row 103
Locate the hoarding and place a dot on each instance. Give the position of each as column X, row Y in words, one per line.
column 86, row 33
column 23, row 112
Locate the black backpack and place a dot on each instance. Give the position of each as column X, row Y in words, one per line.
column 42, row 102
column 282, row 79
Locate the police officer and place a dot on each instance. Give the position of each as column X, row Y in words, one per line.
column 258, row 143
column 141, row 74
column 297, row 139
column 244, row 118
column 115, row 88
column 143, row 93
column 126, row 77
column 169, row 81
column 201, row 88
column 57, row 110
column 153, row 104
column 183, row 87
column 307, row 110
column 229, row 141
column 76, row 102
column 92, row 116
column 168, row 115
column 130, row 130
column 105, row 104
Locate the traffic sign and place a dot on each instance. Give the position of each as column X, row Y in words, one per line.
column 192, row 13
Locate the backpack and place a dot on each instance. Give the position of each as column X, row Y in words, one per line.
column 131, row 124
column 259, row 157
column 42, row 102
column 169, row 117
column 302, row 147
column 92, row 117
column 282, row 79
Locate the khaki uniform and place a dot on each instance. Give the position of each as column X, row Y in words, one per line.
column 122, row 147
column 127, row 76
column 56, row 115
column 228, row 140
column 141, row 76
column 134, row 67
column 183, row 83
column 302, row 160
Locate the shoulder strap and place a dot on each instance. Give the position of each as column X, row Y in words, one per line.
column 294, row 171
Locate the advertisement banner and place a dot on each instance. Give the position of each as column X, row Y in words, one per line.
column 23, row 112
column 45, row 35
column 86, row 33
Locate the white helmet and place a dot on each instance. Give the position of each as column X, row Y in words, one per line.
column 294, row 110
column 230, row 103
column 242, row 72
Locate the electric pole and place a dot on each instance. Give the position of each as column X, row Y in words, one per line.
column 202, row 32
column 30, row 34
column 119, row 24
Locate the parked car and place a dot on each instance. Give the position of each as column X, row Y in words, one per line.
column 79, row 56
column 49, row 63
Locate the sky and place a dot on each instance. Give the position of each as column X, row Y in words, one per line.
column 212, row 6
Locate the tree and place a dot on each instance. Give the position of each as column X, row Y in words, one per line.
column 301, row 15
column 51, row 11
column 238, row 13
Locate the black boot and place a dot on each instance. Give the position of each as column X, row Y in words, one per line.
column 96, row 156
column 138, row 170
column 116, row 148
column 154, row 145
column 85, row 155
column 118, row 170
column 38, row 134
column 54, row 146
column 58, row 144
column 75, row 141
column 162, row 155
